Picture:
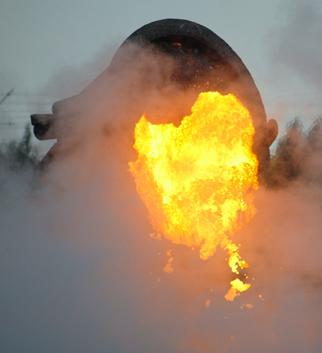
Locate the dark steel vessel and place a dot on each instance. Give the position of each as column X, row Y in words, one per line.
column 203, row 60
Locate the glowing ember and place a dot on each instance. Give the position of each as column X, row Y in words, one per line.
column 197, row 179
column 237, row 286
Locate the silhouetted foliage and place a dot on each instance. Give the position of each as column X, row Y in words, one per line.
column 17, row 155
column 298, row 155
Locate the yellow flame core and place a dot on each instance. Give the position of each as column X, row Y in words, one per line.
column 197, row 179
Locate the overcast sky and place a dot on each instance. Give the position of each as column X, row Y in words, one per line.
column 53, row 48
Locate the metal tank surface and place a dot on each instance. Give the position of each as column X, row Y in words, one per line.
column 204, row 62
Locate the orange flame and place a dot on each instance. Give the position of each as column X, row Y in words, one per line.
column 197, row 179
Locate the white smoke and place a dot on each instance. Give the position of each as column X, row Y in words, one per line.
column 79, row 272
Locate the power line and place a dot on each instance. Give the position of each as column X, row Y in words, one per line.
column 28, row 95
column 8, row 94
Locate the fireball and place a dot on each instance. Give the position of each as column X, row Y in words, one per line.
column 197, row 180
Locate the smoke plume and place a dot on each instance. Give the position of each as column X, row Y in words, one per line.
column 295, row 59
column 296, row 43
column 81, row 272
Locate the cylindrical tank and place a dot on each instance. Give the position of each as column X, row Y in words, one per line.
column 203, row 62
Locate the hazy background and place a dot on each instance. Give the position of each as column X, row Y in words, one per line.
column 52, row 49
column 78, row 270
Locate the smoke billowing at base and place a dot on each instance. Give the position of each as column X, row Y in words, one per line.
column 81, row 271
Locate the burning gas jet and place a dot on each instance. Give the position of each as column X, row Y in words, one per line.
column 196, row 171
